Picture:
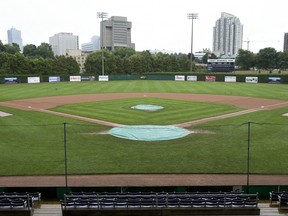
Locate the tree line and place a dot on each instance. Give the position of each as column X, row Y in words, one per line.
column 40, row 60
column 266, row 59
column 128, row 61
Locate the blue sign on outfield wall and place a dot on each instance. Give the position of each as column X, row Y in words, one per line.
column 275, row 80
column 10, row 80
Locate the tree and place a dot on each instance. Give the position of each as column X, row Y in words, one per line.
column 124, row 52
column 30, row 50
column 65, row 66
column 2, row 47
column 12, row 49
column 93, row 64
column 283, row 60
column 267, row 58
column 44, row 51
column 245, row 59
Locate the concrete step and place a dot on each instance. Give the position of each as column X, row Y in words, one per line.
column 48, row 210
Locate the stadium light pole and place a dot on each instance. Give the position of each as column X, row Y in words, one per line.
column 192, row 16
column 102, row 15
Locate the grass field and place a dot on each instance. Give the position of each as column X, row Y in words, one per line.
column 32, row 142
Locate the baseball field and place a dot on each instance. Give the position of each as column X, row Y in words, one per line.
column 223, row 119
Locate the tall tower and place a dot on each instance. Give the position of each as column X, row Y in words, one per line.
column 63, row 41
column 14, row 36
column 116, row 32
column 285, row 42
column 227, row 36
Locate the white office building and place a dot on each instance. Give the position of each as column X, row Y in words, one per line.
column 91, row 46
column 14, row 36
column 227, row 36
column 63, row 41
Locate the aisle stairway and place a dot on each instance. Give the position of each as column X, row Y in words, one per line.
column 55, row 210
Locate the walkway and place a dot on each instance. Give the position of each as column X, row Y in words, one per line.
column 55, row 210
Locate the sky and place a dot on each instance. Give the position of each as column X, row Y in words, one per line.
column 156, row 24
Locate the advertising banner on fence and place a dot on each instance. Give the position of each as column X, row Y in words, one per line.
column 54, row 78
column 191, row 78
column 103, row 78
column 179, row 78
column 75, row 78
column 274, row 80
column 230, row 78
column 210, row 78
column 87, row 78
column 10, row 80
column 251, row 79
column 33, row 79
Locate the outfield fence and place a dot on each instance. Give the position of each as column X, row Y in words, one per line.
column 66, row 148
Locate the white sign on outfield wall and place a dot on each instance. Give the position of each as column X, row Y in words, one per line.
column 251, row 80
column 191, row 78
column 230, row 78
column 54, row 78
column 179, row 78
column 75, row 78
column 103, row 78
column 33, row 79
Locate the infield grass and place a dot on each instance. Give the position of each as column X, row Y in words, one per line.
column 32, row 143
column 120, row 111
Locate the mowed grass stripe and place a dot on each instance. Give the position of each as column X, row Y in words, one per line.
column 120, row 111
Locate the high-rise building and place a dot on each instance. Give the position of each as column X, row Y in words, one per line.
column 227, row 36
column 91, row 46
column 14, row 36
column 63, row 41
column 285, row 42
column 116, row 32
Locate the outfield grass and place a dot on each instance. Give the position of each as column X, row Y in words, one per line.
column 32, row 143
column 20, row 91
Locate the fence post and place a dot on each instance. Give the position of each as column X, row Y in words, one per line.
column 65, row 157
column 248, row 157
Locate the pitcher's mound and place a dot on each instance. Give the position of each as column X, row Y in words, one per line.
column 148, row 132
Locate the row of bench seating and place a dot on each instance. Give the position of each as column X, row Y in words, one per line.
column 159, row 200
column 18, row 203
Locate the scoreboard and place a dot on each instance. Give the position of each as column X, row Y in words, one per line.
column 221, row 65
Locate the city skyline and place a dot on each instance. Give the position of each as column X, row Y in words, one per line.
column 158, row 24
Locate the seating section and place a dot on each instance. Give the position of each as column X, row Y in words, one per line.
column 279, row 198
column 91, row 200
column 16, row 200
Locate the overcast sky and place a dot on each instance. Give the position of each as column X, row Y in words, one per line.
column 156, row 24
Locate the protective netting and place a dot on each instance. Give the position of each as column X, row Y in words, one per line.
column 148, row 132
column 147, row 107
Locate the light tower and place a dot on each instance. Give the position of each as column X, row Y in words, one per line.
column 192, row 16
column 102, row 15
